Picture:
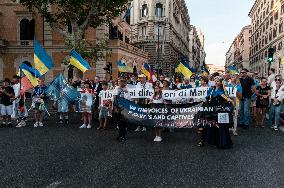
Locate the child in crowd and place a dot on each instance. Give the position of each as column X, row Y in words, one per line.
column 104, row 108
column 39, row 98
column 87, row 101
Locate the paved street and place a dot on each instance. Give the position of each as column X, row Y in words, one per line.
column 64, row 156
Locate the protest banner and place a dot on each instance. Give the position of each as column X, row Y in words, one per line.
column 174, row 115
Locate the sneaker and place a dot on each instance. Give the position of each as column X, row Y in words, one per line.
column 122, row 139
column 89, row 126
column 3, row 124
column 10, row 124
column 83, row 126
column 40, row 124
column 159, row 139
column 60, row 121
column 235, row 133
column 275, row 128
column 155, row 139
column 21, row 124
column 36, row 124
column 144, row 129
column 138, row 129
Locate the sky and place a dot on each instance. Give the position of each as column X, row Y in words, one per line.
column 220, row 21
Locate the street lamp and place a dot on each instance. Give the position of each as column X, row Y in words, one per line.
column 159, row 69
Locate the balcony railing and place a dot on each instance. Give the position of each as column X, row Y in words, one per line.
column 119, row 43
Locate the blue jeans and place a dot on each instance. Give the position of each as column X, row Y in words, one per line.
column 245, row 111
column 274, row 115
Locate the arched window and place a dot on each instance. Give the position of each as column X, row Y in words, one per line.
column 144, row 11
column 159, row 10
column 27, row 29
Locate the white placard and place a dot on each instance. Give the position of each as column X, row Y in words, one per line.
column 223, row 118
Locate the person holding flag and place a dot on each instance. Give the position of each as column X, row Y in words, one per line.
column 38, row 102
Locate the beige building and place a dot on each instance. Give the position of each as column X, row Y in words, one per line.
column 196, row 45
column 267, row 32
column 215, row 68
column 161, row 27
column 18, row 26
column 238, row 53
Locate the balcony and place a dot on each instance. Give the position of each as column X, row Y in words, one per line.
column 118, row 43
column 2, row 43
column 26, row 43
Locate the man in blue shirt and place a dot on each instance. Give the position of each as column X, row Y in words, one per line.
column 39, row 98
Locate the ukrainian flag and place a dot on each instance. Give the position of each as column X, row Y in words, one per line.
column 146, row 70
column 31, row 73
column 43, row 62
column 122, row 67
column 205, row 70
column 77, row 61
column 184, row 68
column 233, row 70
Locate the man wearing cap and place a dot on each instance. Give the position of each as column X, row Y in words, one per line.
column 144, row 85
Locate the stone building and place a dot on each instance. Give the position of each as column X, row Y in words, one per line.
column 161, row 28
column 196, row 45
column 238, row 53
column 18, row 26
column 267, row 32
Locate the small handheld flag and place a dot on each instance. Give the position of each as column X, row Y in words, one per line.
column 77, row 61
column 184, row 68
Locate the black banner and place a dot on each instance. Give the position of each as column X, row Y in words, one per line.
column 174, row 115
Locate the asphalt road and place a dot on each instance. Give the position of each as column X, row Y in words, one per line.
column 65, row 156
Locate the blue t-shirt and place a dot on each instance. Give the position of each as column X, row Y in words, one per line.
column 238, row 87
column 39, row 90
column 215, row 92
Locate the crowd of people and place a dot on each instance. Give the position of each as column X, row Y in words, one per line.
column 258, row 99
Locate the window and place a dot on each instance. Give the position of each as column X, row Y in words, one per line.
column 271, row 20
column 159, row 30
column 280, row 45
column 280, row 27
column 267, row 24
column 159, row 10
column 274, row 32
column 282, row 8
column 276, row 15
column 270, row 36
column 27, row 29
column 144, row 31
column 144, row 11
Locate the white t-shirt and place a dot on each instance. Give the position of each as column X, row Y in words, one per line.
column 17, row 89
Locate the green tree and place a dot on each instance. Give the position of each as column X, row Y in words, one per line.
column 71, row 18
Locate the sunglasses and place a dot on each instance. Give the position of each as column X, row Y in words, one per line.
column 277, row 80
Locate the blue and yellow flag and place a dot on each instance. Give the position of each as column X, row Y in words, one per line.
column 122, row 67
column 184, row 68
column 77, row 61
column 31, row 73
column 233, row 69
column 146, row 70
column 205, row 70
column 43, row 62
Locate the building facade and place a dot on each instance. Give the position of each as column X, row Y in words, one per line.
column 238, row 53
column 18, row 27
column 161, row 27
column 196, row 45
column 267, row 32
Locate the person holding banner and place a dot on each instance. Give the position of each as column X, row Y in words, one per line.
column 120, row 91
column 144, row 85
column 236, row 85
column 219, row 135
column 38, row 104
column 87, row 96
column 157, row 99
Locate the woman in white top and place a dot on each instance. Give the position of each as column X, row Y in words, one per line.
column 157, row 99
column 277, row 95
